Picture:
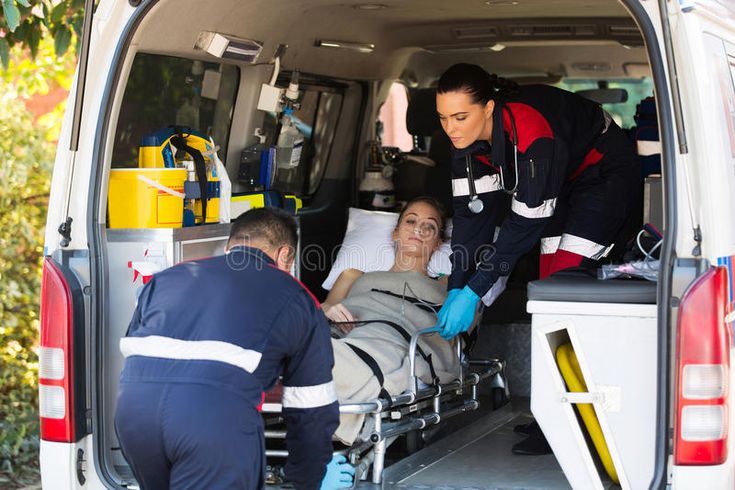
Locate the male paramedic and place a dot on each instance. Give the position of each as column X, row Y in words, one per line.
column 207, row 338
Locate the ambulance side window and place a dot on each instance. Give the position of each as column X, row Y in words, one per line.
column 622, row 112
column 392, row 119
column 165, row 90
column 316, row 119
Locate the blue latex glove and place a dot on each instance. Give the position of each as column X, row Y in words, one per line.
column 339, row 474
column 443, row 314
column 458, row 312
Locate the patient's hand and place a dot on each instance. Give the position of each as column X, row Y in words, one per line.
column 340, row 313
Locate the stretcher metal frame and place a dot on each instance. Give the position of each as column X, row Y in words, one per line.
column 417, row 408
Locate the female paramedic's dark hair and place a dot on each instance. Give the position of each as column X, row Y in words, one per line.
column 473, row 80
column 434, row 203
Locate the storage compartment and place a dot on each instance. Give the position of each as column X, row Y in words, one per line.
column 133, row 256
column 615, row 345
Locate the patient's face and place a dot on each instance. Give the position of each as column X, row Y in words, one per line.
column 418, row 231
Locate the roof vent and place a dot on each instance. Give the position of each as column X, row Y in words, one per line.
column 478, row 32
column 553, row 30
column 592, row 66
column 624, row 31
column 542, row 30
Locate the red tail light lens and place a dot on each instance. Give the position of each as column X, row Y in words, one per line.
column 55, row 360
column 703, row 369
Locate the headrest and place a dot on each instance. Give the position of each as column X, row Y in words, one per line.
column 421, row 118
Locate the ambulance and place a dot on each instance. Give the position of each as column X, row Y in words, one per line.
column 655, row 355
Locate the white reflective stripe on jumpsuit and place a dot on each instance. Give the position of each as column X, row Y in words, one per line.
column 309, row 396
column 545, row 210
column 192, row 350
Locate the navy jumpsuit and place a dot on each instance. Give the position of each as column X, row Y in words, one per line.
column 578, row 177
column 207, row 338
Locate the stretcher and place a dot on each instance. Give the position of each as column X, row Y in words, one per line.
column 416, row 409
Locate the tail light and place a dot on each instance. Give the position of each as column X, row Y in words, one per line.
column 703, row 368
column 56, row 367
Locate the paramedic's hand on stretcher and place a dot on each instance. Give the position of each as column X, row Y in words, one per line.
column 458, row 312
column 339, row 474
column 339, row 313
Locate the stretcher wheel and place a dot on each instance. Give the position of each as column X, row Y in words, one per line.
column 572, row 374
column 499, row 397
column 414, row 441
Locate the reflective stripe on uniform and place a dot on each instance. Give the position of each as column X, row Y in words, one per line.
column 550, row 245
column 190, row 350
column 545, row 210
column 309, row 396
column 647, row 148
column 483, row 185
column 584, row 247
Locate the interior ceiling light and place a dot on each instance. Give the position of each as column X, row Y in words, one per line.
column 225, row 46
column 370, row 6
column 359, row 47
column 497, row 47
column 498, row 3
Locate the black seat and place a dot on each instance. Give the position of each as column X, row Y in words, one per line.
column 580, row 287
column 414, row 179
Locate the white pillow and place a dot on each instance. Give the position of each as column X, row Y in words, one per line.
column 368, row 246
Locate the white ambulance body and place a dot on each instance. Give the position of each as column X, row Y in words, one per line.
column 688, row 54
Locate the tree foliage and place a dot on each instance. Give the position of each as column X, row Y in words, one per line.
column 27, row 22
column 27, row 149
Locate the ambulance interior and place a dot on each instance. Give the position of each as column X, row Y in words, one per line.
column 366, row 73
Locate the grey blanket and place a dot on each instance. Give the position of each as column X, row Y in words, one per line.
column 354, row 379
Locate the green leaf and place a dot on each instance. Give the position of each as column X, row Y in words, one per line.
column 62, row 39
column 12, row 14
column 78, row 25
column 4, row 53
column 34, row 39
column 21, row 33
column 58, row 13
column 46, row 14
column 25, row 3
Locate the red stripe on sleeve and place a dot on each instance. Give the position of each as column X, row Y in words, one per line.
column 590, row 159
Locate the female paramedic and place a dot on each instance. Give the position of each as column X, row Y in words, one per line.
column 571, row 172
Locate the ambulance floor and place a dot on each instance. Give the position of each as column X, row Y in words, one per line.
column 479, row 457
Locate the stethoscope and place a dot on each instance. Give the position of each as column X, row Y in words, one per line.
column 475, row 205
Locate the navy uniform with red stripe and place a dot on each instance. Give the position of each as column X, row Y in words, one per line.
column 206, row 339
column 577, row 178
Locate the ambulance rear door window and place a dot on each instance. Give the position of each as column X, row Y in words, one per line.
column 166, row 90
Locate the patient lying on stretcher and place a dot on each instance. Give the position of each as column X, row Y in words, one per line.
column 375, row 313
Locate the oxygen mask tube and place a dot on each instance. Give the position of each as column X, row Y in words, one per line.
column 406, row 286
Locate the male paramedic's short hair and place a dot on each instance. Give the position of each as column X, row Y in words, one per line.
column 272, row 227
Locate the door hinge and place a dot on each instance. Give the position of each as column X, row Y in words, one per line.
column 81, row 467
column 697, row 251
column 65, row 232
